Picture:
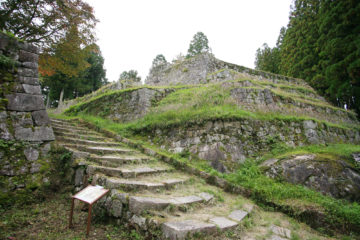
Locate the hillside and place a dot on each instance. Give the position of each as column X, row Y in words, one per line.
column 250, row 127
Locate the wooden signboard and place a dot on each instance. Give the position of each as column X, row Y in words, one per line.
column 89, row 195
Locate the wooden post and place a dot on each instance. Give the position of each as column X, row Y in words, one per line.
column 88, row 220
column 71, row 212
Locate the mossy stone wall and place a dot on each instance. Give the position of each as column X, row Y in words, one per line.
column 25, row 131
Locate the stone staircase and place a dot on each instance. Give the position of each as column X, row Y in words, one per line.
column 146, row 192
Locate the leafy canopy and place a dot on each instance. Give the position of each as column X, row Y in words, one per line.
column 45, row 22
column 130, row 75
column 199, row 44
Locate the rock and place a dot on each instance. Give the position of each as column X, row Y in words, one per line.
column 25, row 56
column 32, row 65
column 25, row 102
column 27, row 72
column 186, row 200
column 180, row 230
column 356, row 157
column 309, row 124
column 223, row 223
column 5, row 133
column 28, row 80
column 79, row 176
column 206, row 196
column 32, row 89
column 31, row 154
column 139, row 221
column 280, row 231
column 35, row 168
column 116, row 208
column 34, row 134
column 45, row 149
column 327, row 175
column 123, row 197
column 238, row 215
column 40, row 117
column 138, row 204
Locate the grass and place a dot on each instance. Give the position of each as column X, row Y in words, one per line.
column 49, row 220
column 293, row 199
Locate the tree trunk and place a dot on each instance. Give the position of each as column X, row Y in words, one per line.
column 48, row 101
column 61, row 98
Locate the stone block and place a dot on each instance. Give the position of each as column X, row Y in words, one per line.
column 32, row 65
column 25, row 102
column 5, row 133
column 280, row 231
column 22, row 119
column 206, row 196
column 31, row 154
column 238, row 215
column 28, row 72
column 25, row 56
column 116, row 208
column 138, row 204
column 35, row 168
column 28, row 47
column 28, row 80
column 139, row 221
column 40, row 117
column 79, row 176
column 32, row 89
column 35, row 134
column 223, row 223
column 180, row 230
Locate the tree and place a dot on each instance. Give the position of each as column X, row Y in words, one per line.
column 44, row 22
column 322, row 46
column 268, row 59
column 199, row 44
column 159, row 61
column 130, row 75
column 86, row 81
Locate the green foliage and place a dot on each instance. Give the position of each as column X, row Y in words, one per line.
column 159, row 61
column 268, row 59
column 85, row 81
column 44, row 22
column 130, row 75
column 282, row 194
column 321, row 45
column 199, row 44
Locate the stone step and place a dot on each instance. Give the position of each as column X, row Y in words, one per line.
column 87, row 142
column 126, row 173
column 182, row 229
column 223, row 223
column 131, row 185
column 100, row 150
column 178, row 230
column 67, row 125
column 81, row 136
column 117, row 160
column 138, row 204
column 75, row 131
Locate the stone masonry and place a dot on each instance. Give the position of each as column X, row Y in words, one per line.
column 25, row 130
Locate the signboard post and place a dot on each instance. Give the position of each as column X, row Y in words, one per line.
column 89, row 195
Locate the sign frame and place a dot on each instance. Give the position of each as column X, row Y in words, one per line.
column 90, row 195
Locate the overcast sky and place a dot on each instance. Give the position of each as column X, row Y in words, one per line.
column 132, row 32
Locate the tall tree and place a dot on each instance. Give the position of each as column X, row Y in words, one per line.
column 199, row 44
column 268, row 59
column 130, row 75
column 322, row 46
column 44, row 22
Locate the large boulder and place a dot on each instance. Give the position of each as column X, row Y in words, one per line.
column 326, row 173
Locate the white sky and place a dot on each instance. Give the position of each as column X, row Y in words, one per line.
column 132, row 32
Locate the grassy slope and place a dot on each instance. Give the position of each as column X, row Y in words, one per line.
column 194, row 104
column 294, row 199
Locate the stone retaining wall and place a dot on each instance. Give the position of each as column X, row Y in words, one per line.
column 227, row 143
column 25, row 131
